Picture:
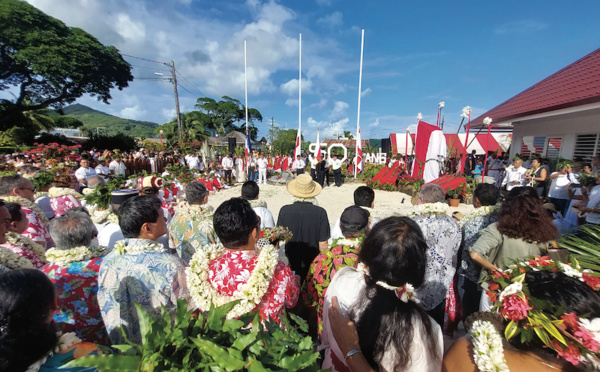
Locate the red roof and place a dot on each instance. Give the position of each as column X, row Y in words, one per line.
column 575, row 85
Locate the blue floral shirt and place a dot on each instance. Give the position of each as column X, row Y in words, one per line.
column 471, row 232
column 149, row 278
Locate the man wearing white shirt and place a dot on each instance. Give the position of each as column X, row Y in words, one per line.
column 102, row 169
column 262, row 169
column 336, row 165
column 84, row 172
column 298, row 165
column 117, row 167
column 227, row 164
column 313, row 166
column 193, row 162
column 592, row 209
column 515, row 175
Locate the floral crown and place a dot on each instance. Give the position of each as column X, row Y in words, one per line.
column 404, row 292
column 574, row 339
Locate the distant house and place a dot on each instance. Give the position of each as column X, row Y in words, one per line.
column 223, row 141
column 557, row 117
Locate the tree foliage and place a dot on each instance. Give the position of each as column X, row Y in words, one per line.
column 50, row 63
column 229, row 114
column 284, row 141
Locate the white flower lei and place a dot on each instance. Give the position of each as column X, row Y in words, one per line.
column 430, row 208
column 27, row 204
column 27, row 242
column 122, row 247
column 305, row 200
column 13, row 261
column 346, row 242
column 194, row 212
column 40, row 194
column 478, row 212
column 257, row 203
column 100, row 216
column 55, row 192
column 371, row 211
column 250, row 294
column 487, row 346
column 77, row 254
column 65, row 341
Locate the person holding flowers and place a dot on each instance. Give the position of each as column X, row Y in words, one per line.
column 546, row 317
column 235, row 269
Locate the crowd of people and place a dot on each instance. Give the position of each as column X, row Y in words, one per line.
column 378, row 293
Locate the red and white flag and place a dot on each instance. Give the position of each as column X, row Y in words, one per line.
column 359, row 154
column 318, row 149
column 298, row 142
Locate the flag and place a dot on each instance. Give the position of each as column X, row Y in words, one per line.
column 318, row 149
column 297, row 150
column 248, row 149
column 359, row 153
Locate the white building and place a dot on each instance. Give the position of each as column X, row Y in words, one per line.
column 557, row 117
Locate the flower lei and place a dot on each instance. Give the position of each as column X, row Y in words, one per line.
column 122, row 247
column 305, row 200
column 278, row 233
column 404, row 292
column 65, row 341
column 256, row 203
column 532, row 318
column 430, row 208
column 487, row 346
column 250, row 294
column 357, row 242
column 101, row 216
column 55, row 192
column 194, row 212
column 77, row 254
column 24, row 241
column 479, row 212
column 13, row 260
column 40, row 194
column 27, row 204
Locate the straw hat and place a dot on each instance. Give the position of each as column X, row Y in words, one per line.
column 303, row 187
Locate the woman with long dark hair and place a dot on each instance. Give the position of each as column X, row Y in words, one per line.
column 395, row 333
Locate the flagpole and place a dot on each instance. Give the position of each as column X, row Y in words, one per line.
column 246, row 85
column 358, row 139
column 299, row 134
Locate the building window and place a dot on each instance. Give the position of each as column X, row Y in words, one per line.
column 532, row 145
column 553, row 148
column 586, row 146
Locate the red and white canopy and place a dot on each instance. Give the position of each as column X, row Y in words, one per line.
column 480, row 143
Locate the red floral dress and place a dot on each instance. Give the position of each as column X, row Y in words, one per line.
column 228, row 273
column 321, row 273
column 36, row 230
column 25, row 253
column 77, row 287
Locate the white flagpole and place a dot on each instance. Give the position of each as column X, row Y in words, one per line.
column 362, row 47
column 299, row 134
column 246, row 85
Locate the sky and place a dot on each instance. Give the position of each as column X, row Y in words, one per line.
column 416, row 54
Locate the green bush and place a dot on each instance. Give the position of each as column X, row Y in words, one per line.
column 210, row 342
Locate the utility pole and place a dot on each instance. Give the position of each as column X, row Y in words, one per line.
column 174, row 81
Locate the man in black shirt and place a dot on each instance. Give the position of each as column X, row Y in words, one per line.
column 308, row 223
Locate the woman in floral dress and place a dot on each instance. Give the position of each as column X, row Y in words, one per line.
column 20, row 244
column 63, row 195
column 234, row 270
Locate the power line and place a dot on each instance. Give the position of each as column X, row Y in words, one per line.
column 151, row 68
column 184, row 88
column 189, row 82
column 144, row 59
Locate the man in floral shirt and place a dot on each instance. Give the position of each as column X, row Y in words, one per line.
column 191, row 227
column 342, row 252
column 73, row 268
column 20, row 190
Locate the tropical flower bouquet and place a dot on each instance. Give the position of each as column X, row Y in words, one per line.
column 277, row 233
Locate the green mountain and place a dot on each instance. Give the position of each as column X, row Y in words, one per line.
column 93, row 119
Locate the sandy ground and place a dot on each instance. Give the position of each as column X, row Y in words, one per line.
column 333, row 199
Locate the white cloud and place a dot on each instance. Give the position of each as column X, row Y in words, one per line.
column 134, row 113
column 129, row 30
column 327, row 129
column 291, row 87
column 332, row 20
column 292, row 102
column 520, row 27
column 339, row 109
column 366, row 92
column 374, row 124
